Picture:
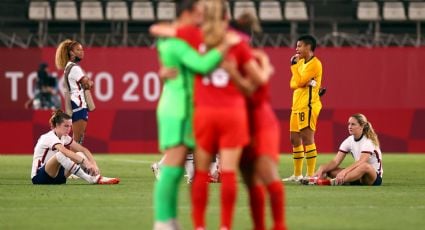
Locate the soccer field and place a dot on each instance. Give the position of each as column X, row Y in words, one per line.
column 398, row 204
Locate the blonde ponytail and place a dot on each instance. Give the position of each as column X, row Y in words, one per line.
column 368, row 130
column 215, row 25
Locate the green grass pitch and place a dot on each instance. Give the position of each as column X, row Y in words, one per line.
column 398, row 204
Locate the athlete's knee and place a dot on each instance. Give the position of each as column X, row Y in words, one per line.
column 307, row 136
column 295, row 139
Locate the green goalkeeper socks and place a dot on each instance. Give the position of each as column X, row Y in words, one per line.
column 166, row 193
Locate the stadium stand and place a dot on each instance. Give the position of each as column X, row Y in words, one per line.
column 166, row 10
column 270, row 11
column 241, row 7
column 66, row 10
column 26, row 23
column 143, row 11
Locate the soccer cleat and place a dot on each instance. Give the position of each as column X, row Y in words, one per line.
column 323, row 182
column 293, row 178
column 309, row 180
column 214, row 178
column 155, row 170
column 72, row 176
column 189, row 180
column 107, row 180
column 334, row 182
column 175, row 224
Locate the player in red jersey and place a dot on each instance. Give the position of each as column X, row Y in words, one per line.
column 220, row 123
column 259, row 163
column 220, row 116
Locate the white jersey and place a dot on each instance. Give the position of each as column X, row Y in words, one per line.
column 44, row 149
column 77, row 92
column 364, row 145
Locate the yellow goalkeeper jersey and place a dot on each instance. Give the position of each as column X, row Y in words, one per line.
column 306, row 96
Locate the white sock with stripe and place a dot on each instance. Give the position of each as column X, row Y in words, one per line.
column 75, row 168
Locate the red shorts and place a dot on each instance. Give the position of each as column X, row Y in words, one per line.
column 218, row 128
column 265, row 132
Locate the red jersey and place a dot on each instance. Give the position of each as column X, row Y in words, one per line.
column 217, row 89
column 261, row 95
column 191, row 34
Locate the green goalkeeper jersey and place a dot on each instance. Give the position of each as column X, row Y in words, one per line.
column 175, row 107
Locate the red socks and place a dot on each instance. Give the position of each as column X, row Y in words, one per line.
column 199, row 198
column 228, row 198
column 277, row 202
column 257, row 200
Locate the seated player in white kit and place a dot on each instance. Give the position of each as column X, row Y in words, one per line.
column 53, row 160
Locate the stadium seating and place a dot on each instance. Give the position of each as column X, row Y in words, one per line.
column 142, row 10
column 368, row 11
column 91, row 11
column 280, row 19
column 393, row 11
column 166, row 10
column 117, row 11
column 39, row 10
column 66, row 10
column 416, row 11
column 270, row 11
column 241, row 7
column 295, row 11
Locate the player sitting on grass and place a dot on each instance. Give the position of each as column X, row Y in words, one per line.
column 53, row 162
column 363, row 144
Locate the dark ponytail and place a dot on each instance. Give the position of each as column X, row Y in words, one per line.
column 58, row 117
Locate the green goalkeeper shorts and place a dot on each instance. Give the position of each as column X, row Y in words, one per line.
column 174, row 131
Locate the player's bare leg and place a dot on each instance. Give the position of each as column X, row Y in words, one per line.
column 78, row 130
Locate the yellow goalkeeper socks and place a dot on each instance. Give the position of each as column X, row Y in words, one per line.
column 298, row 155
column 311, row 156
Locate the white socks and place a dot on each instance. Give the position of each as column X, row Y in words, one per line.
column 189, row 166
column 75, row 168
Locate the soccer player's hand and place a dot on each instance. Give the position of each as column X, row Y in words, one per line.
column 322, row 91
column 232, row 38
column 294, row 59
column 319, row 173
column 89, row 168
column 168, row 73
column 340, row 177
column 312, row 83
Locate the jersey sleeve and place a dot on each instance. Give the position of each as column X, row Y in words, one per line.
column 191, row 59
column 244, row 52
column 345, row 146
column 300, row 78
column 76, row 73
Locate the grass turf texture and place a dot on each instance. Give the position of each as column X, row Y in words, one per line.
column 398, row 204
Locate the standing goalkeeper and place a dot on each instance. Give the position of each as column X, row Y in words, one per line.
column 306, row 80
